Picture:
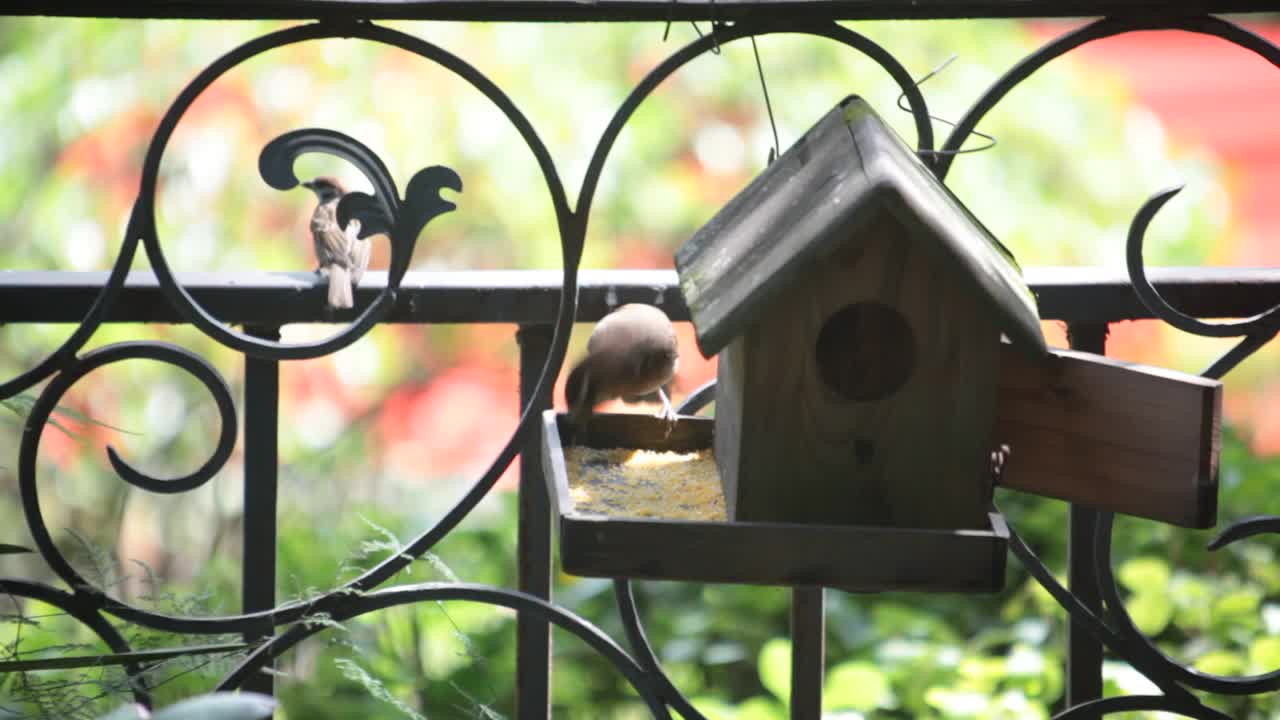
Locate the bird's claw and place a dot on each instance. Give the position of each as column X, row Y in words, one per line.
column 667, row 412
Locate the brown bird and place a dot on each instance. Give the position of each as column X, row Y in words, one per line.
column 341, row 255
column 631, row 353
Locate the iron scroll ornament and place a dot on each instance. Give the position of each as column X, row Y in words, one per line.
column 380, row 213
column 385, row 212
column 1121, row 635
column 39, row 417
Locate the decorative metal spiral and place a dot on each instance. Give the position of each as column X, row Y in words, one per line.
column 402, row 219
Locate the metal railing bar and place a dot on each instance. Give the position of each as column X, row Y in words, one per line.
column 615, row 10
column 808, row 651
column 1084, row 651
column 1075, row 294
column 533, row 544
column 261, row 494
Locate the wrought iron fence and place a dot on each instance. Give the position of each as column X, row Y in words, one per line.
column 545, row 306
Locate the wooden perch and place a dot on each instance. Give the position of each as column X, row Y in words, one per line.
column 1113, row 435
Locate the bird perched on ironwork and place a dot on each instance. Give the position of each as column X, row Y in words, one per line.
column 341, row 255
column 631, row 353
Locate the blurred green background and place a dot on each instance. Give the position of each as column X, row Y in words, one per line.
column 378, row 440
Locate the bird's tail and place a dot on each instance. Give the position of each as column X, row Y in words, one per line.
column 339, row 288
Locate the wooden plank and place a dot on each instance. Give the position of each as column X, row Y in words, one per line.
column 1112, row 435
column 855, row 558
column 616, row 10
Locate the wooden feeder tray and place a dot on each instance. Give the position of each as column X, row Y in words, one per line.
column 851, row 557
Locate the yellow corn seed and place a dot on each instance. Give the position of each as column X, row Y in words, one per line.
column 623, row 482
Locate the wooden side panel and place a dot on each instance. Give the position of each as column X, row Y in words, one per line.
column 918, row 457
column 730, row 405
column 1117, row 436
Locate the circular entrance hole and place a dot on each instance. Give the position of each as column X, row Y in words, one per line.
column 866, row 351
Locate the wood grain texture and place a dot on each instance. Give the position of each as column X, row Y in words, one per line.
column 854, row 558
column 757, row 245
column 916, row 458
column 849, row 167
column 1116, row 436
column 730, row 408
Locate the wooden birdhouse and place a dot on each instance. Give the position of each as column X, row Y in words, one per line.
column 858, row 309
column 876, row 345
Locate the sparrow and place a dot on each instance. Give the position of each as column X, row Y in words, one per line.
column 631, row 353
column 341, row 255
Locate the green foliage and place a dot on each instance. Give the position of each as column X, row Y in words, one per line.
column 73, row 134
column 214, row 706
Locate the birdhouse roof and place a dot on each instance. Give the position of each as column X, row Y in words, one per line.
column 845, row 171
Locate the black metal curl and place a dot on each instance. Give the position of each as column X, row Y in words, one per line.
column 1265, row 322
column 571, row 235
column 48, row 401
column 1125, row 638
column 1246, row 528
column 1109, row 590
column 1131, row 703
column 699, row 399
column 630, row 615
column 343, row 607
column 643, row 650
column 380, row 213
column 1104, row 28
column 276, row 162
column 58, row 359
column 1084, row 617
column 422, row 204
column 724, row 34
column 84, row 610
column 420, row 187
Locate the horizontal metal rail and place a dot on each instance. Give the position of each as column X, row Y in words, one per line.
column 529, row 297
column 622, row 10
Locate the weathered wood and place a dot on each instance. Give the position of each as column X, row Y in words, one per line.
column 846, row 170
column 616, row 10
column 916, row 457
column 1112, row 435
column 731, row 409
column 855, row 558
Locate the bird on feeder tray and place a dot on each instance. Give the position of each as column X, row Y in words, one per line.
column 630, row 354
column 341, row 255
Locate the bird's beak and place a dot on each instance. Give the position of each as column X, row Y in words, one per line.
column 309, row 185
